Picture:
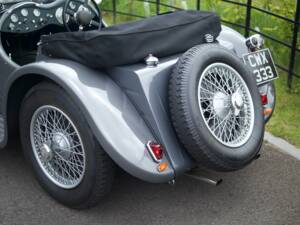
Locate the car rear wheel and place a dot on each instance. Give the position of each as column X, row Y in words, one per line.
column 60, row 146
column 216, row 108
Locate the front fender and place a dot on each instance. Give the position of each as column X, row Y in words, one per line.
column 113, row 119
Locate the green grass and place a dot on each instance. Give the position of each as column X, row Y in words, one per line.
column 286, row 120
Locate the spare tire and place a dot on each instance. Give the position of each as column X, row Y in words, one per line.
column 216, row 108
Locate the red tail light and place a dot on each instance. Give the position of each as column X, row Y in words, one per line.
column 155, row 150
column 264, row 99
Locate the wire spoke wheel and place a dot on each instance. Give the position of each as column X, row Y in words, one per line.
column 216, row 108
column 58, row 147
column 226, row 105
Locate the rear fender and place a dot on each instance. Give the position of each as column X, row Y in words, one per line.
column 113, row 119
column 233, row 40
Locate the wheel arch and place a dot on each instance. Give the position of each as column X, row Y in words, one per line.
column 15, row 96
column 97, row 96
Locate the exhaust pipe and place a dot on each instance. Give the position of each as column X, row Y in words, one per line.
column 198, row 175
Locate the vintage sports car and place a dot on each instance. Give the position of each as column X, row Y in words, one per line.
column 159, row 98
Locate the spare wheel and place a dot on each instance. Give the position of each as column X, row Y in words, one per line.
column 216, row 108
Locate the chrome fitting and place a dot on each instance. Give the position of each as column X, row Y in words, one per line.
column 172, row 182
column 209, row 38
column 151, row 61
column 255, row 42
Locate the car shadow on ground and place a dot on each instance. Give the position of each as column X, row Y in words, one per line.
column 266, row 192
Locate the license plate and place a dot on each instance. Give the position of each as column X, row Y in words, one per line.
column 262, row 66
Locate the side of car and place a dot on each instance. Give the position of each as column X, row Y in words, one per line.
column 76, row 123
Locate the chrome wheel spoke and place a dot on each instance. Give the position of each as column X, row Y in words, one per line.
column 58, row 147
column 226, row 104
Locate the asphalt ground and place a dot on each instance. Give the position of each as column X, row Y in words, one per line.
column 266, row 192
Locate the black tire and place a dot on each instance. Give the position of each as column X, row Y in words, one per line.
column 99, row 170
column 186, row 115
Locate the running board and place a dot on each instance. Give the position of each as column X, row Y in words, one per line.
column 203, row 176
column 2, row 128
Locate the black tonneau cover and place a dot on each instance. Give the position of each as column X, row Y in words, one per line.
column 129, row 43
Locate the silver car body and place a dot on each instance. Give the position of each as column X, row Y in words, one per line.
column 125, row 107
